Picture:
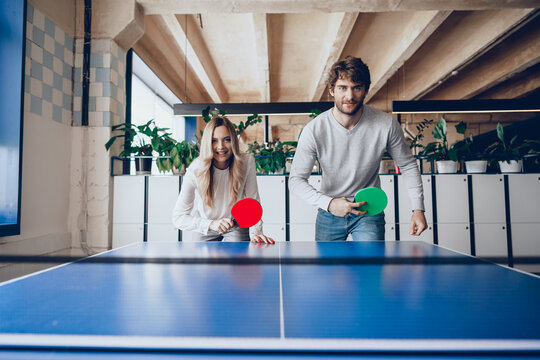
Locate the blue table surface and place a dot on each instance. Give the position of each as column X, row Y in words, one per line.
column 274, row 302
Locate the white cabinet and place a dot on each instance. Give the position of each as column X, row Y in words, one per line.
column 128, row 210
column 387, row 185
column 162, row 194
column 405, row 211
column 453, row 212
column 302, row 216
column 489, row 216
column 272, row 193
column 524, row 193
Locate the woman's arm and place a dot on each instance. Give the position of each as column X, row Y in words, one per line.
column 181, row 217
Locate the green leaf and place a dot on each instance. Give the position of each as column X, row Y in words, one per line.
column 461, row 127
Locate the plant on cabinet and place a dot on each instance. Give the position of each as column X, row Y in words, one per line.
column 445, row 155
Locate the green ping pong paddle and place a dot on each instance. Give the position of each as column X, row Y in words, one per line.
column 376, row 200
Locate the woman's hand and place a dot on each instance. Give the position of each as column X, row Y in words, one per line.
column 221, row 225
column 262, row 239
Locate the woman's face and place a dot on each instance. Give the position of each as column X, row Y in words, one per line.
column 221, row 147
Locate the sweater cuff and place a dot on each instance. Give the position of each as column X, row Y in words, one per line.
column 418, row 205
column 324, row 202
column 205, row 226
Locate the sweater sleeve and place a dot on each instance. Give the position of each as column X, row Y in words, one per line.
column 251, row 190
column 301, row 169
column 182, row 216
column 401, row 153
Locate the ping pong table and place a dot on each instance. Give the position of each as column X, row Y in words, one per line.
column 293, row 300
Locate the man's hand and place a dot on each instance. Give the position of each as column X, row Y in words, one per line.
column 342, row 206
column 418, row 222
column 221, row 225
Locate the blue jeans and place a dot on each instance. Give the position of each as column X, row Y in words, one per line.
column 362, row 228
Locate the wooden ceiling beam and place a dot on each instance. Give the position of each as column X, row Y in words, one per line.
column 463, row 37
column 162, row 55
column 344, row 24
column 519, row 86
column 260, row 27
column 520, row 52
column 177, row 32
column 309, row 6
column 414, row 34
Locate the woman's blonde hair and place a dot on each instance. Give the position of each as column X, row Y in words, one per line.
column 205, row 172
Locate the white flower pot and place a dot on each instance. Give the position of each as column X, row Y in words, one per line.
column 512, row 167
column 476, row 166
column 447, row 167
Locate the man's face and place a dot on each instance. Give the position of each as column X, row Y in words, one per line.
column 348, row 96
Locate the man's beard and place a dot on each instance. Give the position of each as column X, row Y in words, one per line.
column 354, row 110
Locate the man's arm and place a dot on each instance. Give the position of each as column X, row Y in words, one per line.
column 301, row 169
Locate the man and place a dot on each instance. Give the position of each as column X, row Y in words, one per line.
column 349, row 141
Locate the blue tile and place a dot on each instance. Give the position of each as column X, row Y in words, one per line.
column 38, row 36
column 57, row 82
column 67, row 71
column 47, row 59
column 121, row 81
column 77, row 118
column 59, row 51
column 103, row 74
column 96, row 60
column 77, row 89
column 68, row 42
column 107, row 89
column 106, row 118
column 36, row 70
column 28, row 45
column 49, row 27
column 47, row 93
column 35, row 105
column 77, row 74
column 27, row 83
column 57, row 113
column 66, row 101
column 92, row 103
column 114, row 63
column 30, row 13
column 114, row 91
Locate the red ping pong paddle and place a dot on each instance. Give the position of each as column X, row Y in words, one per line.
column 246, row 212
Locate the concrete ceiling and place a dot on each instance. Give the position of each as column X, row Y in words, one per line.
column 280, row 50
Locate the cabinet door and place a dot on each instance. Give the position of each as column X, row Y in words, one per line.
column 455, row 236
column 124, row 234
column 272, row 193
column 452, row 199
column 387, row 185
column 128, row 210
column 525, row 242
column 405, row 211
column 162, row 195
column 490, row 240
column 489, row 216
column 524, row 193
column 128, row 200
column 302, row 216
column 488, row 199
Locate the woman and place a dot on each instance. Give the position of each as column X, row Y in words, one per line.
column 217, row 179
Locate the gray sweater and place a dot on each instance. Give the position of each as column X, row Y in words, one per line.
column 350, row 159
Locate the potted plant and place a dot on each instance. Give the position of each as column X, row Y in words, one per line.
column 445, row 155
column 140, row 141
column 509, row 152
column 182, row 154
column 271, row 157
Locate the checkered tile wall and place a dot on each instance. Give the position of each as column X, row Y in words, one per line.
column 53, row 75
